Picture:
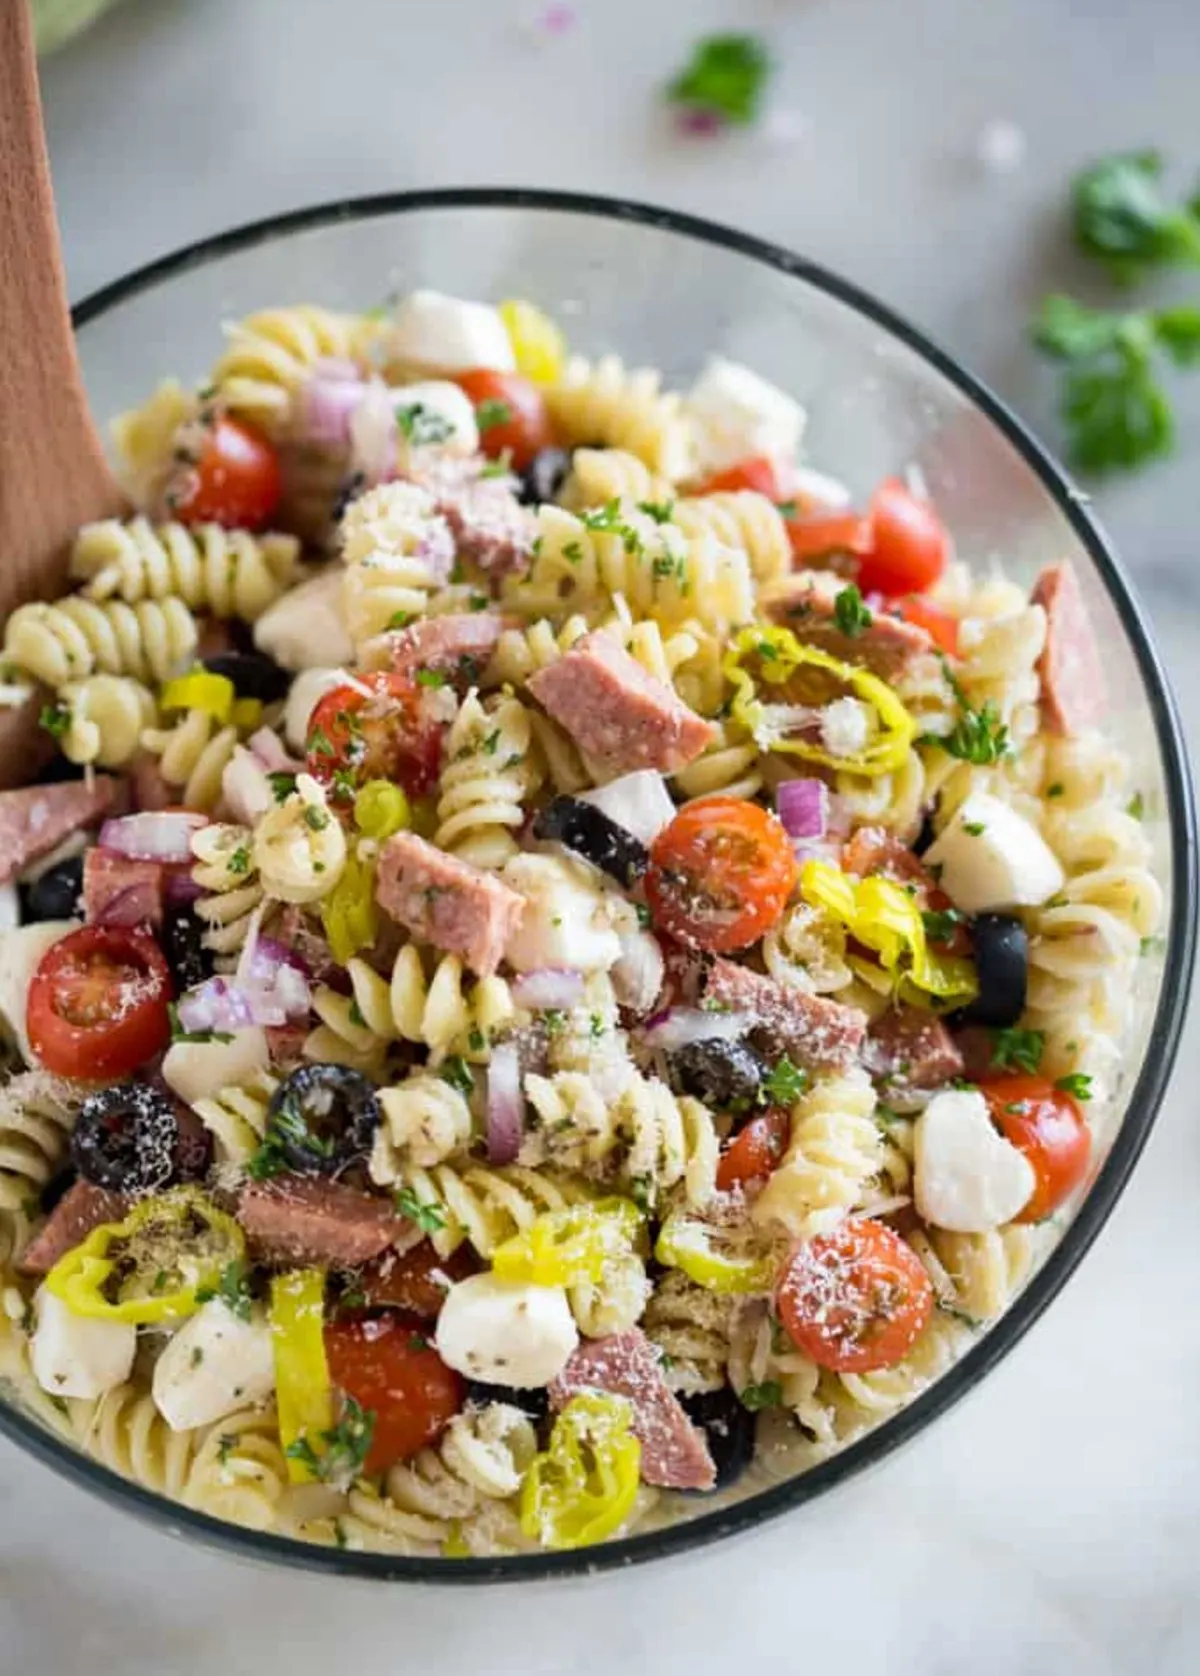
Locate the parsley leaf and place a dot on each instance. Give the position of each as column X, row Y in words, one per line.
column 491, row 413
column 1122, row 216
column 346, row 1446
column 282, row 784
column 661, row 511
column 726, row 75
column 767, row 1395
column 1017, row 1050
column 457, row 1073
column 939, row 923
column 1077, row 1084
column 429, row 1217
column 55, row 718
column 785, row 1084
column 851, row 613
column 431, row 678
column 419, row 425
column 233, row 1288
column 978, row 736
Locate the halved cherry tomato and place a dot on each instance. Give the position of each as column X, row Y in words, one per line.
column 755, row 1150
column 939, row 625
column 235, row 481
column 824, row 536
column 389, row 1367
column 757, row 472
column 353, row 737
column 1047, row 1125
column 511, row 413
column 855, row 1299
column 415, row 1280
column 908, row 545
column 720, row 874
column 98, row 1003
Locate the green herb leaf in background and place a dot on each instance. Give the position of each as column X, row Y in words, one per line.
column 1122, row 216
column 725, row 76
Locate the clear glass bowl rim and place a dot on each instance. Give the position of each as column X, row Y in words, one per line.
column 1145, row 1098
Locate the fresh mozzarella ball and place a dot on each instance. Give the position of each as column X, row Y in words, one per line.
column 735, row 414
column 639, row 802
column 506, row 1332
column 21, row 951
column 966, row 1176
column 304, row 627
column 439, row 334
column 306, row 692
column 198, row 1070
column 566, row 922
column 215, row 1364
column 445, row 417
column 991, row 858
column 74, row 1355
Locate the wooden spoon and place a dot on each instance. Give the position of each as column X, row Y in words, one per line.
column 53, row 474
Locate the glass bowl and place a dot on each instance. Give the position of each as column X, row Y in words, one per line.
column 664, row 289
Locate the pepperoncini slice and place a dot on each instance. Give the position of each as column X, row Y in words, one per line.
column 538, row 346
column 810, row 681
column 303, row 1390
column 694, row 1247
column 565, row 1247
column 200, row 690
column 380, row 809
column 247, row 714
column 883, row 916
column 348, row 913
column 151, row 1266
column 584, row 1486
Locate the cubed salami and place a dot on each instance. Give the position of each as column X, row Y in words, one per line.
column 117, row 890
column 888, row 646
column 302, row 1219
column 82, row 1208
column 457, row 645
column 441, row 900
column 908, row 1047
column 619, row 716
column 36, row 819
column 814, row 1031
column 1070, row 668
column 487, row 521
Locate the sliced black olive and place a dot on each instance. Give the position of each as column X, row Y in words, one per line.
column 181, row 941
column 544, row 476
column 1000, row 945
column 55, row 893
column 58, row 768
column 728, row 1430
column 254, row 675
column 323, row 1117
column 349, row 491
column 590, row 833
column 719, row 1072
column 126, row 1138
column 534, row 1402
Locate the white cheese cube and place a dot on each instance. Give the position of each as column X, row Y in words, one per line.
column 198, row 1070
column 438, row 413
column 215, row 1364
column 505, row 1331
column 438, row 334
column 21, row 951
column 640, row 802
column 566, row 923
column 991, row 858
column 304, row 694
column 74, row 1355
column 736, row 414
column 966, row 1176
column 304, row 627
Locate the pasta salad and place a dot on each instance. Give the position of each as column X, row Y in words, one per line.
column 556, row 964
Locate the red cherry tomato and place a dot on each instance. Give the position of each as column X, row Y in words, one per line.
column 757, row 472
column 353, row 737
column 755, row 1150
column 388, row 1366
column 908, row 546
column 236, row 480
column 511, row 414
column 855, row 1299
column 720, row 874
column 1047, row 1125
column 823, row 536
column 98, row 1003
column 415, row 1280
column 939, row 625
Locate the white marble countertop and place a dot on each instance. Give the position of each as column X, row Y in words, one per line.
column 1050, row 1524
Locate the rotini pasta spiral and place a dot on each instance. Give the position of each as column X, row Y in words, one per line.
column 236, row 1117
column 691, row 1327
column 807, row 950
column 271, row 354
column 742, row 519
column 604, row 402
column 37, row 1114
column 616, row 1301
column 489, row 770
column 425, row 1122
column 600, row 475
column 835, row 1151
column 762, row 1355
column 193, row 755
column 984, row 1271
column 106, row 715
column 226, row 871
column 480, row 1459
column 397, row 551
column 862, row 1400
column 300, row 847
column 146, row 438
column 126, row 1433
column 485, row 1206
column 228, row 572
column 72, row 638
column 731, row 764
column 440, row 1012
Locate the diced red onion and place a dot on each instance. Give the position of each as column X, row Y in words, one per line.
column 373, row 434
column 329, row 400
column 548, row 986
column 179, row 886
column 505, row 1114
column 222, row 1005
column 269, row 957
column 270, row 750
column 154, row 835
column 681, row 1026
column 803, row 807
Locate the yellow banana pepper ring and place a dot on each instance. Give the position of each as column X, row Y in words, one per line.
column 149, row 1267
column 380, row 809
column 565, row 1247
column 886, row 918
column 348, row 913
column 689, row 1245
column 201, row 690
column 539, row 348
column 776, row 656
column 584, row 1486
column 303, row 1390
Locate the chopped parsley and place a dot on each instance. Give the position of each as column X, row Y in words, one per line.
column 851, row 613
column 419, row 425
column 610, row 519
column 233, row 1289
column 1136, row 806
column 319, row 743
column 429, row 1217
column 225, row 1443
column 431, row 678
column 554, row 1021
column 1122, row 216
column 725, row 77
column 785, row 1084
column 769, row 1394
column 1017, row 1050
column 55, row 718
column 978, row 736
column 400, row 619
column 491, row 413
column 1078, row 1085
column 662, row 511
column 641, row 1191
column 643, row 915
column 939, row 923
column 457, row 1073
column 1056, row 790
column 490, row 743
column 316, row 818
column 282, row 784
column 346, row 1446
column 238, row 861
column 287, row 1128
column 976, row 829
